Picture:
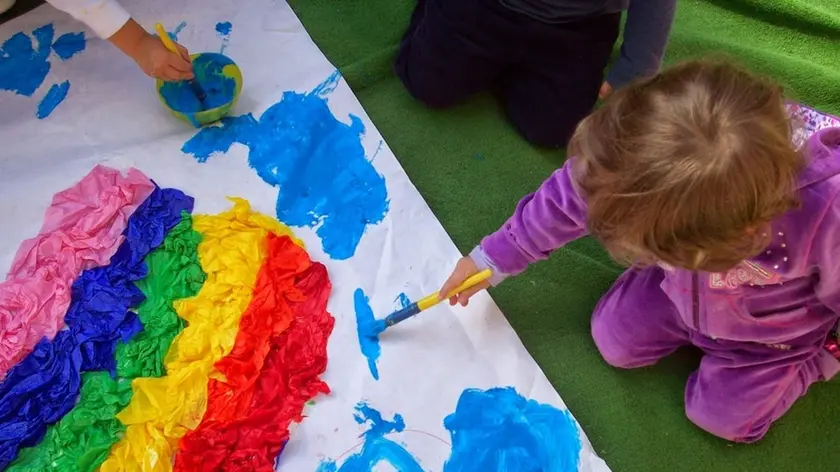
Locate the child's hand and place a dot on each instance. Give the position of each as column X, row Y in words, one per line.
column 463, row 270
column 160, row 63
column 606, row 90
column 151, row 55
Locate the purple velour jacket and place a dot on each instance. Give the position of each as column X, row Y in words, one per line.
column 789, row 295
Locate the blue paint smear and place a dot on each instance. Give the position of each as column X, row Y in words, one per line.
column 23, row 68
column 376, row 447
column 208, row 72
column 24, row 65
column 378, row 426
column 403, row 301
column 55, row 95
column 317, row 161
column 68, row 45
column 223, row 28
column 44, row 35
column 368, row 342
column 499, row 430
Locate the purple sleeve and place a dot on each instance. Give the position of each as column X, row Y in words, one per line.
column 543, row 222
column 826, row 247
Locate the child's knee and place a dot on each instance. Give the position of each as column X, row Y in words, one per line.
column 422, row 83
column 724, row 422
column 617, row 351
column 544, row 135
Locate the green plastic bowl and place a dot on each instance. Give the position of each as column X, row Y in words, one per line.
column 212, row 115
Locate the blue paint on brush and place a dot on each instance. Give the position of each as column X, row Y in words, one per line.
column 55, row 95
column 376, row 448
column 218, row 88
column 366, row 326
column 317, row 161
column 403, row 301
column 499, row 430
column 68, row 45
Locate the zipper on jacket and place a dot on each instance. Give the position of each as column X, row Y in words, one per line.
column 695, row 299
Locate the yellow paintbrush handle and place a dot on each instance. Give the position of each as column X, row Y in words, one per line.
column 165, row 39
column 472, row 281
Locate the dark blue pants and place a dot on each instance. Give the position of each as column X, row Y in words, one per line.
column 547, row 76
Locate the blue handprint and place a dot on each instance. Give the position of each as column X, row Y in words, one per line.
column 24, row 66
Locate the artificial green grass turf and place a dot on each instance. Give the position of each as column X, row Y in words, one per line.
column 472, row 168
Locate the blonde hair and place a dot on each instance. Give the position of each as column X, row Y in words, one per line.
column 688, row 167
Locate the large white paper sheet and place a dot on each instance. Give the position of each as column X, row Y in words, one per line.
column 112, row 116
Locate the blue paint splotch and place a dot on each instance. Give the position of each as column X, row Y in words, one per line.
column 23, row 67
column 317, row 161
column 376, row 448
column 224, row 28
column 219, row 89
column 368, row 340
column 499, row 430
column 24, row 64
column 402, row 301
column 68, row 45
column 55, row 95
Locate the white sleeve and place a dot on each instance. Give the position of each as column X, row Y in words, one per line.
column 104, row 17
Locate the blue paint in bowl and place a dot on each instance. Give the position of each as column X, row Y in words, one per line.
column 209, row 69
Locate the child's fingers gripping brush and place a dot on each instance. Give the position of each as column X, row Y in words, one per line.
column 378, row 326
column 167, row 41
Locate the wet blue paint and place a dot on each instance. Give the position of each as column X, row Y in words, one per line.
column 224, row 28
column 44, row 36
column 376, row 448
column 24, row 65
column 68, row 45
column 499, row 430
column 403, row 301
column 208, row 73
column 368, row 341
column 317, row 161
column 55, row 95
column 378, row 425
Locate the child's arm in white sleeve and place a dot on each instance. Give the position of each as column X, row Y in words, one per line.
column 104, row 17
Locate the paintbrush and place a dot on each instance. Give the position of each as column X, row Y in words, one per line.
column 378, row 326
column 199, row 92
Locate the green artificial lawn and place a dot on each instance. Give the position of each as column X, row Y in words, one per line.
column 472, row 168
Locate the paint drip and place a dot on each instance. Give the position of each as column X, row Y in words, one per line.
column 499, row 430
column 376, row 448
column 317, row 161
column 55, row 95
column 208, row 69
column 368, row 329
